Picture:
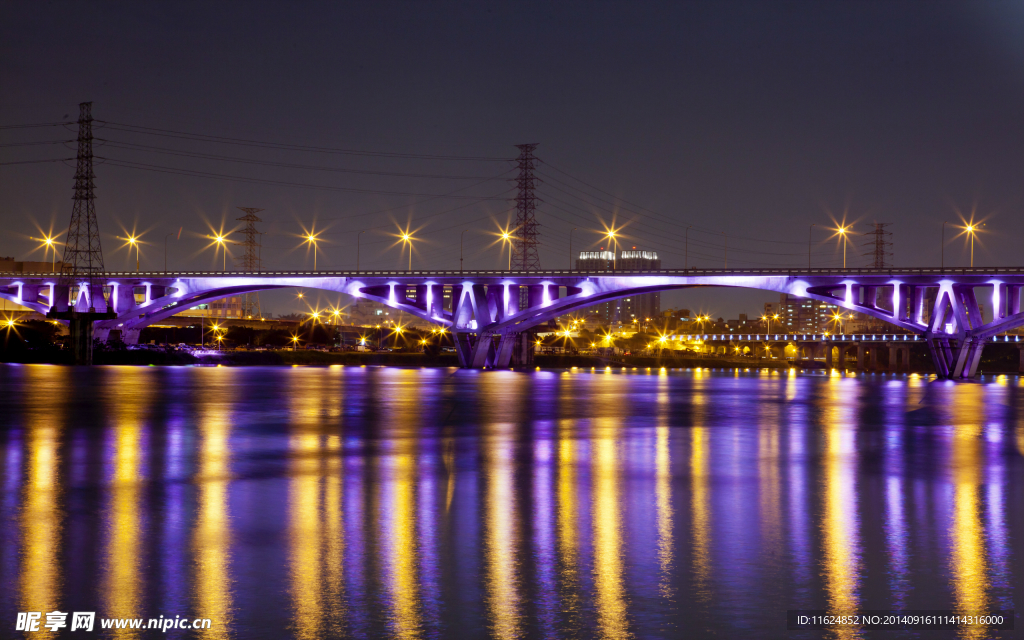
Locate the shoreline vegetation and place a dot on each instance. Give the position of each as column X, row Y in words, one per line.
column 144, row 357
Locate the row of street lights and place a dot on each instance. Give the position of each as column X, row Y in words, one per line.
column 506, row 237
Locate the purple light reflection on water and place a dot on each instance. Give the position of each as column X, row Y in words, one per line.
column 355, row 502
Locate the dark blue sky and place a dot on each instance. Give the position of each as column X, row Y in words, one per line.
column 752, row 120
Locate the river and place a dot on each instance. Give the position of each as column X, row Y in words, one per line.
column 315, row 502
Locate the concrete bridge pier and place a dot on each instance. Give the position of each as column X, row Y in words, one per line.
column 828, row 354
column 860, row 357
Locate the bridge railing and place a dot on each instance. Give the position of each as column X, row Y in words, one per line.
column 924, row 271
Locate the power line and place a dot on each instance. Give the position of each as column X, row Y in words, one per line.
column 220, row 176
column 288, row 165
column 33, row 126
column 286, row 146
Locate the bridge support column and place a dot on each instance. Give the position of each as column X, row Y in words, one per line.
column 828, row 354
column 874, row 358
column 464, row 349
column 906, row 358
column 860, row 357
column 893, row 366
column 130, row 336
column 81, row 333
column 967, row 358
column 483, row 352
column 1020, row 367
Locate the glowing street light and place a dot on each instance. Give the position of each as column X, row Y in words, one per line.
column 838, row 319
column 614, row 243
column 506, row 237
column 407, row 239
column 971, row 229
column 49, row 244
column 843, row 231
column 220, row 239
column 295, row 340
column 134, row 242
column 311, row 239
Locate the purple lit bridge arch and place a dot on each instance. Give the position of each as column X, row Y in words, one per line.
column 941, row 305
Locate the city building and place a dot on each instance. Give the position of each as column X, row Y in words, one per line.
column 802, row 315
column 226, row 308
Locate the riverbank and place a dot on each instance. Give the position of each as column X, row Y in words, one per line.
column 995, row 361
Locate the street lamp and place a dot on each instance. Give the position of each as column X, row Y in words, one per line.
column 219, row 239
column 612, row 242
column 838, row 319
column 311, row 239
column 49, row 244
column 972, row 230
column 295, row 340
column 133, row 242
column 407, row 238
column 507, row 238
column 842, row 232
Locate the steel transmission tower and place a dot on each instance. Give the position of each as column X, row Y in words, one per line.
column 881, row 246
column 83, row 255
column 526, row 240
column 250, row 260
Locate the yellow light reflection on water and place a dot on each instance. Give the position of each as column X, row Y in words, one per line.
column 211, row 537
column 41, row 518
column 968, row 560
column 502, row 575
column 568, row 548
column 128, row 401
column 607, row 522
column 699, row 495
column 841, row 546
column 315, row 534
column 402, row 581
column 305, row 535
column 663, row 489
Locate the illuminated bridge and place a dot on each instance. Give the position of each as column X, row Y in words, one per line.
column 489, row 322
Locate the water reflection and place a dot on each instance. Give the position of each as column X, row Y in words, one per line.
column 127, row 406
column 211, row 540
column 42, row 517
column 426, row 504
column 841, row 561
column 968, row 560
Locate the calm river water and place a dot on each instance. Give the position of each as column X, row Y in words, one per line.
column 426, row 503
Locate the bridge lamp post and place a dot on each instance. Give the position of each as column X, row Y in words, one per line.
column 311, row 239
column 972, row 230
column 220, row 240
column 407, row 239
column 133, row 242
column 842, row 232
column 295, row 340
column 49, row 245
column 614, row 244
column 506, row 237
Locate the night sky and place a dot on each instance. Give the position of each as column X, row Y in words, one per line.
column 748, row 121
